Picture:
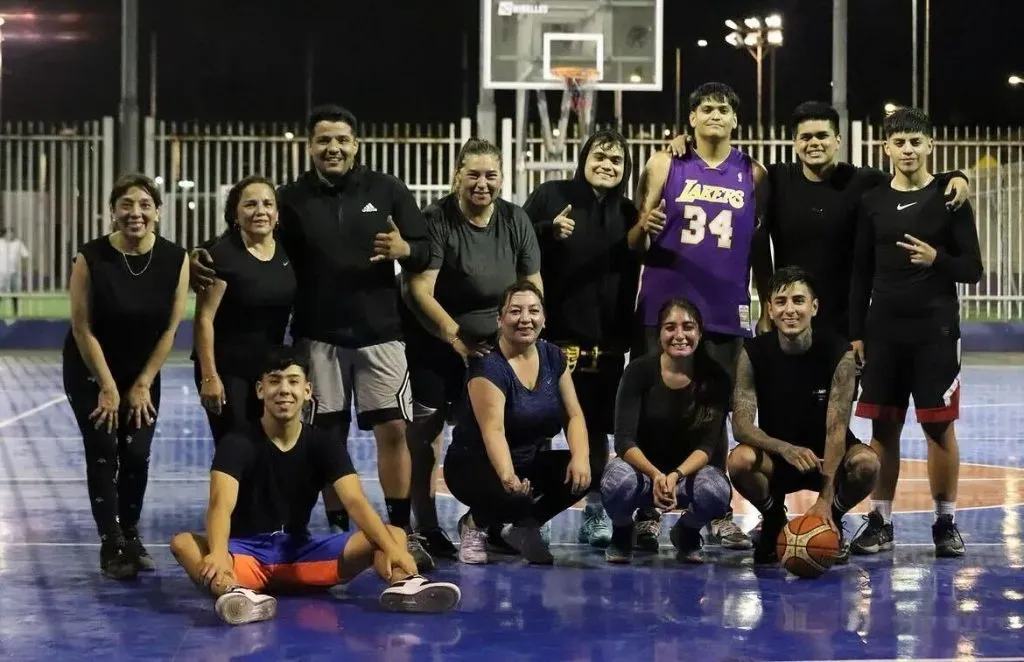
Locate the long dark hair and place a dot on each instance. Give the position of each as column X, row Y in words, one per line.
column 710, row 381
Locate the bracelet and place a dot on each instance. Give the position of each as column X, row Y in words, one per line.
column 207, row 380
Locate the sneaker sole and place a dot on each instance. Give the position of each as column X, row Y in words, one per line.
column 240, row 610
column 432, row 599
column 950, row 553
column 873, row 549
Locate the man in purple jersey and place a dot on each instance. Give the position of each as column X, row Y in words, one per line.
column 699, row 235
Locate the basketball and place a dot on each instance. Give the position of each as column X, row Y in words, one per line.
column 807, row 546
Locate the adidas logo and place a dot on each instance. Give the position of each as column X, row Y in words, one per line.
column 369, row 207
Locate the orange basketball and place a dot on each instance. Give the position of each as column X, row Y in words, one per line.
column 807, row 546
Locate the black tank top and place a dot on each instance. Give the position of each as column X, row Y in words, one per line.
column 130, row 302
column 253, row 314
column 793, row 389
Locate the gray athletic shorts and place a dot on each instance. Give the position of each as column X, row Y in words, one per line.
column 377, row 376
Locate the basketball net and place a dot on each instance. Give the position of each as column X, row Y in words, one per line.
column 578, row 98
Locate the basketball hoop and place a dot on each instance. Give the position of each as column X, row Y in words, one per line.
column 579, row 83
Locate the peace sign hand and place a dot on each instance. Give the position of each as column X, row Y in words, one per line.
column 921, row 253
column 390, row 245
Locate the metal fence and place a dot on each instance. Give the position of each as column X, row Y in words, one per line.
column 54, row 180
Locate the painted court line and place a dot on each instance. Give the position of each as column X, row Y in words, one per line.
column 35, row 410
column 163, row 545
column 973, row 658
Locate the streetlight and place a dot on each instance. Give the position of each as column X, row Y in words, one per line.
column 1015, row 80
column 889, row 108
column 758, row 35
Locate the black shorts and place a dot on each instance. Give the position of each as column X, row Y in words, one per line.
column 437, row 374
column 928, row 371
column 787, row 479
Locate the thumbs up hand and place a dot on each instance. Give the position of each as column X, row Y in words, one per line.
column 563, row 224
column 654, row 221
column 390, row 245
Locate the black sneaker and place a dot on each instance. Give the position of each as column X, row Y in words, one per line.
column 876, row 536
column 620, row 550
column 496, row 544
column 437, row 543
column 772, row 523
column 136, row 553
column 688, row 543
column 648, row 528
column 843, row 557
column 414, row 545
column 114, row 563
column 948, row 542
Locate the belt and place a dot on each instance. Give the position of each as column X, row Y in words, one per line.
column 588, row 355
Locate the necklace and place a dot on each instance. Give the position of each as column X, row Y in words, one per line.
column 128, row 265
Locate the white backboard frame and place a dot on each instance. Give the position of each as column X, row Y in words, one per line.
column 553, row 82
column 595, row 37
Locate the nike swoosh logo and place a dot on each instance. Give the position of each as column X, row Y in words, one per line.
column 902, row 207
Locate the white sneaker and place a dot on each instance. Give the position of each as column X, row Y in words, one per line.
column 241, row 605
column 419, row 594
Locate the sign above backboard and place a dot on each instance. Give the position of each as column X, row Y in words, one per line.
column 524, row 40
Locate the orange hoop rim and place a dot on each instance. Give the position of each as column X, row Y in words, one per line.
column 580, row 74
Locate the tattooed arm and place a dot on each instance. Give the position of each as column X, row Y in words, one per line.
column 744, row 409
column 837, row 422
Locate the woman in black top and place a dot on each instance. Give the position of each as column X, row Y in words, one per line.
column 479, row 245
column 669, row 415
column 245, row 311
column 128, row 293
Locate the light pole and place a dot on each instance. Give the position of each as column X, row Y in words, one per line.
column 1, row 74
column 759, row 36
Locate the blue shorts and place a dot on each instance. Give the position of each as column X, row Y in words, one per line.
column 286, row 559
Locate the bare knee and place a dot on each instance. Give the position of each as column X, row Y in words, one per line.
column 391, row 433
column 862, row 465
column 742, row 460
column 182, row 544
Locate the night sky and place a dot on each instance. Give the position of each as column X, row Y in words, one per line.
column 401, row 60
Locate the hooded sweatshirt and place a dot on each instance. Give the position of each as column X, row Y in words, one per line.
column 590, row 277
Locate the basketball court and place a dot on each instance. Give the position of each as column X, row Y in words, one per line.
column 54, row 605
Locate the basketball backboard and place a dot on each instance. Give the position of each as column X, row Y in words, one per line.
column 524, row 39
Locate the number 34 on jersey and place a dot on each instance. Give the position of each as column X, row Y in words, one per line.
column 696, row 217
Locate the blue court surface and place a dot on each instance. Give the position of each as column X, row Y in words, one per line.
column 54, row 605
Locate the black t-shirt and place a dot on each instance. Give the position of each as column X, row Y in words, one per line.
column 909, row 302
column 253, row 314
column 661, row 421
column 813, row 225
column 130, row 303
column 278, row 490
column 793, row 389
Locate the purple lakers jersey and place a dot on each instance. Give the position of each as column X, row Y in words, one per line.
column 703, row 253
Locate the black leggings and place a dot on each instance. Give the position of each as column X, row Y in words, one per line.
column 117, row 463
column 241, row 408
column 474, row 482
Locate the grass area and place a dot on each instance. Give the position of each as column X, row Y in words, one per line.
column 56, row 306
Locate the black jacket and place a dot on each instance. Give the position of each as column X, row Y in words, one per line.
column 590, row 278
column 328, row 231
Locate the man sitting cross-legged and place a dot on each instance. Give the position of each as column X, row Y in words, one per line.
column 800, row 383
column 263, row 486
